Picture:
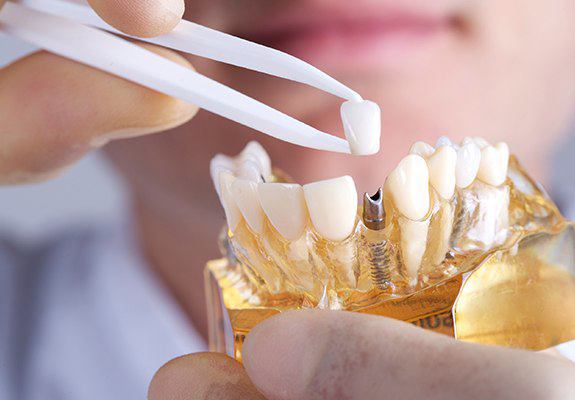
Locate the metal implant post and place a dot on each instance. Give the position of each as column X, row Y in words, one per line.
column 373, row 211
column 375, row 240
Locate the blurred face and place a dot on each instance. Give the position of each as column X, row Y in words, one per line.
column 502, row 69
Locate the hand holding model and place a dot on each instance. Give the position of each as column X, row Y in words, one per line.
column 339, row 355
column 46, row 126
column 297, row 355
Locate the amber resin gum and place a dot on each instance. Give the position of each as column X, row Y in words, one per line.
column 497, row 267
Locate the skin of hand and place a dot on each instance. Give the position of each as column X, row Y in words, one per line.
column 308, row 355
column 54, row 110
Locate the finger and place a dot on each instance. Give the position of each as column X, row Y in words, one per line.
column 202, row 376
column 2, row 3
column 338, row 355
column 52, row 111
column 142, row 18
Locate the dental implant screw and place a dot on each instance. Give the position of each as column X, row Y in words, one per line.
column 375, row 241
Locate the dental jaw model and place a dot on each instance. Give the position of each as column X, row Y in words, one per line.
column 458, row 240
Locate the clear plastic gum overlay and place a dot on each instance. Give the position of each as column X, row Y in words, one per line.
column 475, row 247
column 321, row 261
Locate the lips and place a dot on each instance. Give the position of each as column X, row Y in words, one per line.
column 352, row 36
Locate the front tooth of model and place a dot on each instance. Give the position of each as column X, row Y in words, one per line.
column 468, row 160
column 246, row 195
column 233, row 214
column 284, row 205
column 442, row 171
column 422, row 149
column 409, row 187
column 251, row 171
column 362, row 126
column 332, row 206
column 218, row 164
column 255, row 152
column 494, row 164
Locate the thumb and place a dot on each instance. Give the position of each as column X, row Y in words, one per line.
column 341, row 355
column 202, row 376
column 145, row 18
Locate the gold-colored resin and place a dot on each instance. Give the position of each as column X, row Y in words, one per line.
column 498, row 268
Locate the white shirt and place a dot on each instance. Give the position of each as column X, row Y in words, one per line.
column 83, row 318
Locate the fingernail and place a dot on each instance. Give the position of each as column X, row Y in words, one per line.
column 282, row 353
column 127, row 133
column 178, row 118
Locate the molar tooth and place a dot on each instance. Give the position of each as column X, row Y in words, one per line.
column 442, row 170
column 362, row 125
column 421, row 149
column 443, row 141
column 332, row 206
column 468, row 160
column 233, row 214
column 250, row 170
column 284, row 204
column 494, row 164
column 409, row 187
column 219, row 164
column 256, row 153
column 480, row 142
column 245, row 193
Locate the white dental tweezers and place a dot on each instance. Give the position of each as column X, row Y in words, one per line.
column 76, row 32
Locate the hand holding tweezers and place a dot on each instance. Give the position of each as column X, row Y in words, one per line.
column 64, row 28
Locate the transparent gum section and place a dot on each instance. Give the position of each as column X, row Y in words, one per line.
column 497, row 266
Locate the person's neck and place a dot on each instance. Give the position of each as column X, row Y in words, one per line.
column 177, row 243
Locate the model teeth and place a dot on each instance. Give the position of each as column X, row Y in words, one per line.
column 284, row 205
column 251, row 171
column 409, row 187
column 443, row 141
column 246, row 195
column 233, row 214
column 422, row 149
column 253, row 164
column 362, row 126
column 442, row 170
column 257, row 154
column 410, row 230
column 413, row 245
column 332, row 206
column 494, row 164
column 480, row 142
column 444, row 231
column 220, row 163
column 468, row 160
